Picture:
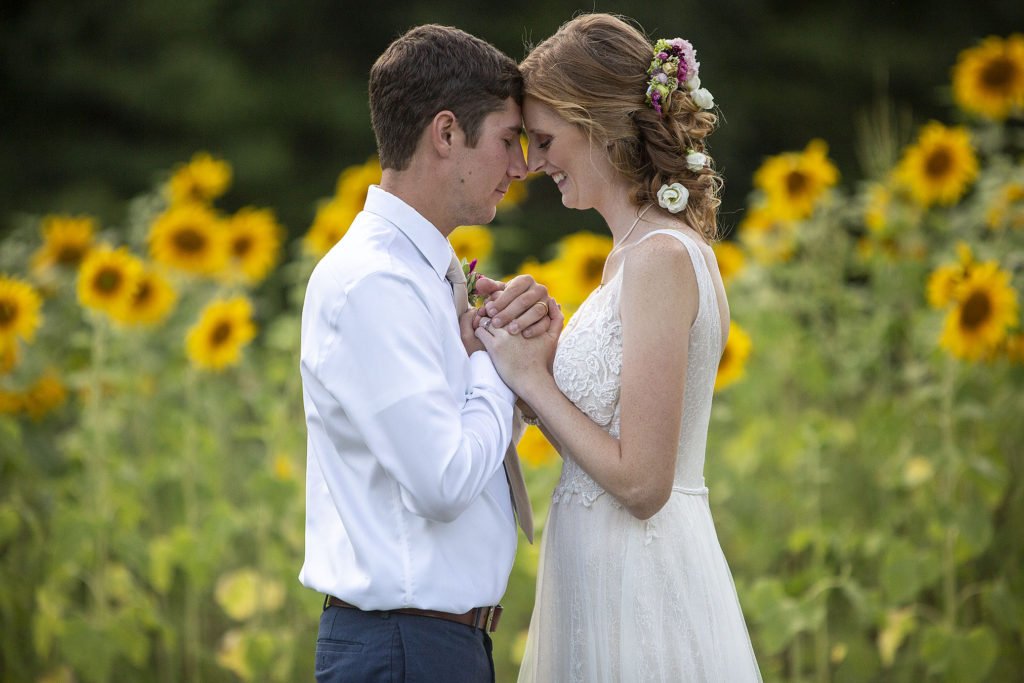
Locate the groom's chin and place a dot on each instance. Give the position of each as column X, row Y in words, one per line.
column 485, row 216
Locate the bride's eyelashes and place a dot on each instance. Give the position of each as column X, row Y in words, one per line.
column 545, row 144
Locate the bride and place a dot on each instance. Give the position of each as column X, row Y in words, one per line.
column 633, row 585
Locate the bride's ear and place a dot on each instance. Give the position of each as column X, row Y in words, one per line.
column 442, row 133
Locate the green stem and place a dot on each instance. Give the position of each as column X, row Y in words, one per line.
column 821, row 636
column 795, row 656
column 946, row 493
column 188, row 487
column 97, row 465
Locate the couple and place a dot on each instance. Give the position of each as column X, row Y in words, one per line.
column 414, row 403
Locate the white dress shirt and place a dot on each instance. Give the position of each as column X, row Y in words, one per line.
column 407, row 504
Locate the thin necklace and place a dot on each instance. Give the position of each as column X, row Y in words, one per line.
column 622, row 241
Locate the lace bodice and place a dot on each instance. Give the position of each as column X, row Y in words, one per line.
column 588, row 369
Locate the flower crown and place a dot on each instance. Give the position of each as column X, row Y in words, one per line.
column 675, row 66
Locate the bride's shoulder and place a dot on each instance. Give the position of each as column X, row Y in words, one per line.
column 659, row 259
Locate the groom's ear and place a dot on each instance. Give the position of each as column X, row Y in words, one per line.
column 443, row 130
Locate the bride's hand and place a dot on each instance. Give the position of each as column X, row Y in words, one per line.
column 521, row 363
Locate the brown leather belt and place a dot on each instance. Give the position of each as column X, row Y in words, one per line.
column 483, row 618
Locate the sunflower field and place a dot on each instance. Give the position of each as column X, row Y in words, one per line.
column 865, row 457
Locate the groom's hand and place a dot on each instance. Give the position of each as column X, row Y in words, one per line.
column 467, row 327
column 520, row 305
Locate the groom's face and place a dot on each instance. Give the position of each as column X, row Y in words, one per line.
column 484, row 172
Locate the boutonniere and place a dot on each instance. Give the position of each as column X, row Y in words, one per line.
column 469, row 270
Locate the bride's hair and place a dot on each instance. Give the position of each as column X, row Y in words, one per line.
column 593, row 73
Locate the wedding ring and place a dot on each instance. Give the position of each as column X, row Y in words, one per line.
column 486, row 324
column 544, row 304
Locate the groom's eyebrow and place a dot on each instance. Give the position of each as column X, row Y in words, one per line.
column 518, row 130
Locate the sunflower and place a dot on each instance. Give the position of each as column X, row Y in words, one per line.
column 11, row 402
column 200, row 180
column 1007, row 209
column 942, row 284
column 19, row 309
column 768, row 236
column 253, row 242
column 794, row 182
column 940, row 166
column 44, row 395
column 945, row 279
column 66, row 239
column 224, row 327
column 330, row 225
column 1013, row 348
column 989, row 79
column 354, row 181
column 734, row 357
column 581, row 264
column 152, row 299
column 986, row 308
column 730, row 259
column 534, row 448
column 472, row 242
column 8, row 355
column 107, row 279
column 189, row 237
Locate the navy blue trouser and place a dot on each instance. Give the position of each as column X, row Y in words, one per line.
column 390, row 647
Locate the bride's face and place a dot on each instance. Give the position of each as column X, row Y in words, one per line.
column 561, row 149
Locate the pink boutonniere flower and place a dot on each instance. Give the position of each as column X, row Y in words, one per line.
column 469, row 270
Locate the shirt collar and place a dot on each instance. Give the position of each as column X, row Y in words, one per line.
column 421, row 232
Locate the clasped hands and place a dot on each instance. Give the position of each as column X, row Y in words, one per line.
column 518, row 325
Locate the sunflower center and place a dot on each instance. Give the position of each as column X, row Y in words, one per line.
column 70, row 254
column 976, row 310
column 999, row 74
column 724, row 361
column 8, row 312
column 241, row 246
column 221, row 333
column 189, row 240
column 796, row 183
column 143, row 294
column 592, row 269
column 939, row 163
column 108, row 280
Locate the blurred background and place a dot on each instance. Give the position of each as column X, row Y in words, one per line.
column 170, row 173
column 100, row 97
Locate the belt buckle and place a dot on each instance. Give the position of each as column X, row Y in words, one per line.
column 493, row 617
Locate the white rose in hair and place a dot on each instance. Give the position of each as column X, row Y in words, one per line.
column 703, row 98
column 695, row 161
column 673, row 197
column 692, row 82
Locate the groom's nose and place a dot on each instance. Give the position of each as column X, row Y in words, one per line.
column 517, row 164
column 533, row 160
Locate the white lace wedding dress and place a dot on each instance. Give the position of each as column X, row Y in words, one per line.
column 620, row 599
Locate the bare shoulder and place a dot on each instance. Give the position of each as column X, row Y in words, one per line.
column 660, row 260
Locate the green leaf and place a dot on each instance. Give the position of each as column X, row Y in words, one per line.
column 974, row 532
column 1004, row 606
column 973, row 655
column 906, row 570
column 778, row 614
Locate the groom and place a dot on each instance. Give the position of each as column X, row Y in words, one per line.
column 410, row 523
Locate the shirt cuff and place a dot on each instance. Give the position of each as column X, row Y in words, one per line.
column 483, row 374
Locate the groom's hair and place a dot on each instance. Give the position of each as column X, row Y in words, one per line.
column 427, row 70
